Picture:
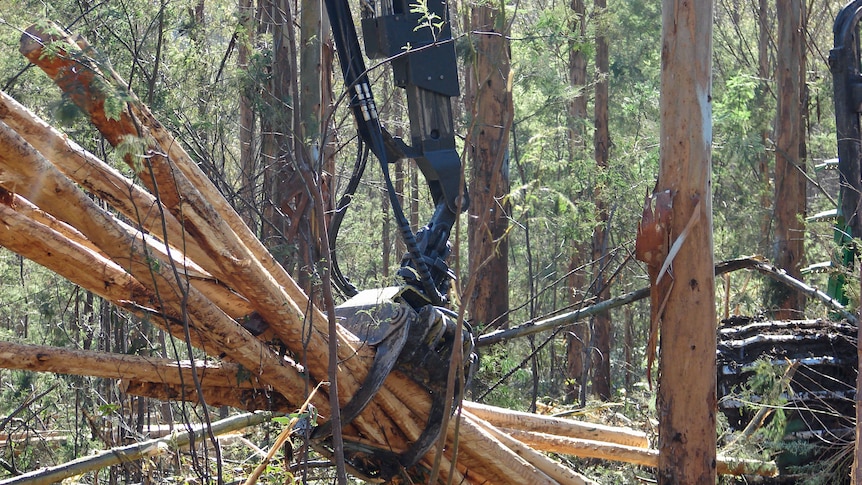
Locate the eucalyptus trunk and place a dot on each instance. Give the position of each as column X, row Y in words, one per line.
column 490, row 101
column 686, row 404
column 790, row 179
column 601, row 355
column 576, row 348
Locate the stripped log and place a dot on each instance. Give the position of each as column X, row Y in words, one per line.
column 163, row 168
column 97, row 177
column 630, row 454
column 42, row 358
column 20, row 164
column 553, row 469
column 507, row 418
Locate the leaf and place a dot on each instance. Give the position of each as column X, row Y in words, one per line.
column 114, row 106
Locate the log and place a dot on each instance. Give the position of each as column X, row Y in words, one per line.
column 205, row 218
column 234, row 305
column 102, row 180
column 559, row 473
column 629, row 454
column 138, row 451
column 97, row 177
column 260, row 399
column 83, row 267
column 42, row 358
column 507, row 418
column 20, row 164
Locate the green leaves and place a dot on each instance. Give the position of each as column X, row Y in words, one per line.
column 427, row 18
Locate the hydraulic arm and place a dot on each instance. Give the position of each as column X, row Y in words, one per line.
column 409, row 326
column 417, row 40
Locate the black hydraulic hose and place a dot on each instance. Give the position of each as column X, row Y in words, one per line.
column 342, row 281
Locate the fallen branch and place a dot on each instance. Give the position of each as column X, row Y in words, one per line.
column 552, row 323
column 134, row 452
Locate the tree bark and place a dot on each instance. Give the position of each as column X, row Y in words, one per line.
column 248, row 152
column 577, row 338
column 490, row 101
column 686, row 401
column 601, row 324
column 790, row 180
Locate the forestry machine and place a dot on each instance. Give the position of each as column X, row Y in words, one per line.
column 821, row 408
column 409, row 325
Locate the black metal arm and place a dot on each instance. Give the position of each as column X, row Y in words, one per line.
column 417, row 39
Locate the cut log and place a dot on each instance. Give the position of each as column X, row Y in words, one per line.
column 629, row 454
column 97, row 177
column 234, row 305
column 553, row 469
column 507, row 418
column 41, row 358
column 238, row 398
column 20, row 164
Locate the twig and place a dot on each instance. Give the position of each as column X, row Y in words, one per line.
column 279, row 441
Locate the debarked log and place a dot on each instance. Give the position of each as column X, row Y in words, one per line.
column 630, row 454
column 167, row 294
column 43, row 358
column 507, row 418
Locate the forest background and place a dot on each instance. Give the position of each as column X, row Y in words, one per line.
column 576, row 154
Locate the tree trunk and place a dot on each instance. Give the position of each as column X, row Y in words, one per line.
column 764, row 73
column 686, row 401
column 490, row 101
column 577, row 339
column 601, row 323
column 790, row 180
column 248, row 158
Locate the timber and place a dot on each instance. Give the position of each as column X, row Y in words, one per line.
column 42, row 358
column 557, row 426
column 630, row 454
